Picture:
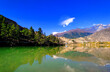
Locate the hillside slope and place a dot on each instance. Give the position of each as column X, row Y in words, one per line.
column 9, row 21
column 75, row 33
column 100, row 36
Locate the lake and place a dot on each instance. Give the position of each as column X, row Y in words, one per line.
column 54, row 59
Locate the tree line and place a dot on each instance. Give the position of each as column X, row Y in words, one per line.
column 12, row 33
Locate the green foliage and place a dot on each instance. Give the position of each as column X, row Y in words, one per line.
column 1, row 19
column 25, row 32
column 41, row 38
column 3, row 30
column 31, row 33
column 17, row 31
column 40, row 31
column 8, row 30
column 0, row 24
column 53, row 39
column 11, row 32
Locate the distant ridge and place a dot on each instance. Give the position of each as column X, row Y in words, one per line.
column 97, row 27
column 76, row 33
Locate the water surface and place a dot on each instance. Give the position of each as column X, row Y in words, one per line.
column 54, row 59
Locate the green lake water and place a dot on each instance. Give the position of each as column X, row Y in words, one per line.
column 53, row 59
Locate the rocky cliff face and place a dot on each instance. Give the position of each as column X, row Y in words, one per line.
column 100, row 36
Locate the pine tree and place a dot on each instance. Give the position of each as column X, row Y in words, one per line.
column 31, row 33
column 2, row 26
column 8, row 29
column 12, row 31
column 1, row 19
column 40, row 31
column 3, row 30
column 17, row 32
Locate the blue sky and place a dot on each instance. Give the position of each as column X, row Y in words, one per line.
column 51, row 15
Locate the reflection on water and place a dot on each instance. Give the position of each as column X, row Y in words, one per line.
column 54, row 59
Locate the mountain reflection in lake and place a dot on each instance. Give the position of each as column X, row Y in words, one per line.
column 54, row 59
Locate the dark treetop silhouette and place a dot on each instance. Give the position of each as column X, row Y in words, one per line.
column 12, row 34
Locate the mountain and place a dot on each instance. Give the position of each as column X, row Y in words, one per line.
column 76, row 33
column 97, row 27
column 9, row 21
column 100, row 36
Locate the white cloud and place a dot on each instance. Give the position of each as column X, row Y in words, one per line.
column 54, row 33
column 57, row 32
column 67, row 22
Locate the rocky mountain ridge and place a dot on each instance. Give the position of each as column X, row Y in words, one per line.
column 99, row 36
column 76, row 33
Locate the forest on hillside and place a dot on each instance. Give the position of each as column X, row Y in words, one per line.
column 12, row 34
